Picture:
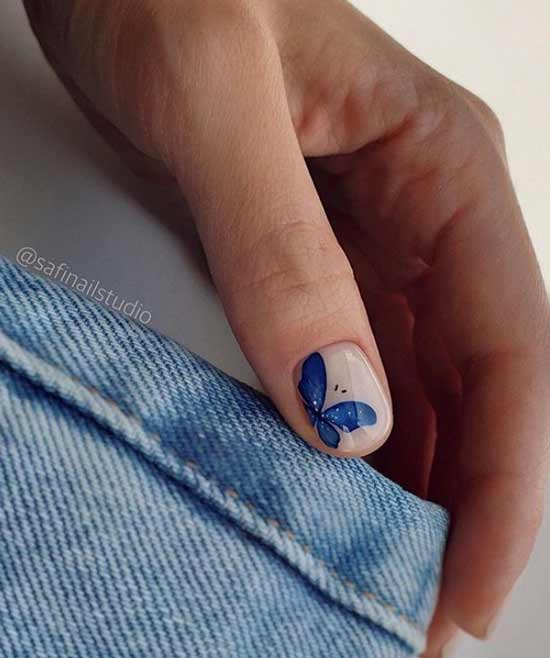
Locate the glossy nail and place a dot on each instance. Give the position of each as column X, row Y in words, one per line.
column 344, row 400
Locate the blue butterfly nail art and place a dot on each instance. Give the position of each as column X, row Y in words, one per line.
column 347, row 415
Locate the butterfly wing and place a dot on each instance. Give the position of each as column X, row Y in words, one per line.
column 313, row 383
column 329, row 436
column 349, row 415
column 313, row 417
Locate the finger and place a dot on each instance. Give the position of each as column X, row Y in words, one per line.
column 443, row 637
column 496, row 330
column 503, row 467
column 209, row 100
column 407, row 458
column 460, row 251
column 286, row 285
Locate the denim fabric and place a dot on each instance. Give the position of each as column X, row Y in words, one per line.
column 152, row 506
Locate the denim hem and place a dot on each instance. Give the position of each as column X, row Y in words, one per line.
column 228, row 501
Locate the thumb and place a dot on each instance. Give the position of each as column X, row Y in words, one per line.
column 286, row 285
column 205, row 93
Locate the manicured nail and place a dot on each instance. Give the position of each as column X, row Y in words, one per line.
column 343, row 399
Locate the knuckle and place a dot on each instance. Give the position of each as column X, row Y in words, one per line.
column 288, row 285
column 445, row 107
column 488, row 117
column 435, row 105
column 293, row 266
column 219, row 32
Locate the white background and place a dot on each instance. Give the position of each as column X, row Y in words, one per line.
column 63, row 193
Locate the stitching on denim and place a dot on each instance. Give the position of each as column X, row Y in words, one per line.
column 275, row 523
column 232, row 493
column 228, row 492
column 290, row 535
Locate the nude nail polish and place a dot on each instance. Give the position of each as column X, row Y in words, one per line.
column 343, row 398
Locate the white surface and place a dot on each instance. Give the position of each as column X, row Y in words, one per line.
column 63, row 193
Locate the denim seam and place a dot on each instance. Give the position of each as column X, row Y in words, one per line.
column 269, row 530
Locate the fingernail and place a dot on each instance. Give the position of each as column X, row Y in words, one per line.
column 487, row 629
column 450, row 649
column 343, row 398
column 492, row 625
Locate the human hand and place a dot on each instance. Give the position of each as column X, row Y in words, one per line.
column 404, row 208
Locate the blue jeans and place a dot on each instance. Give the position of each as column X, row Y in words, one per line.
column 152, row 506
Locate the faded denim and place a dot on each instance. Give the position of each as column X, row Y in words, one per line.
column 151, row 506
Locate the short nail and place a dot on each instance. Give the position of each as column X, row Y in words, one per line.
column 450, row 649
column 488, row 628
column 343, row 398
column 492, row 624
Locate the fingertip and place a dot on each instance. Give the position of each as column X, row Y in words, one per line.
column 443, row 636
column 346, row 410
column 483, row 627
column 489, row 547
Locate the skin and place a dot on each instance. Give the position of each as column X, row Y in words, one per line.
column 344, row 190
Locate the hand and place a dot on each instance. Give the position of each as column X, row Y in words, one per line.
column 403, row 208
